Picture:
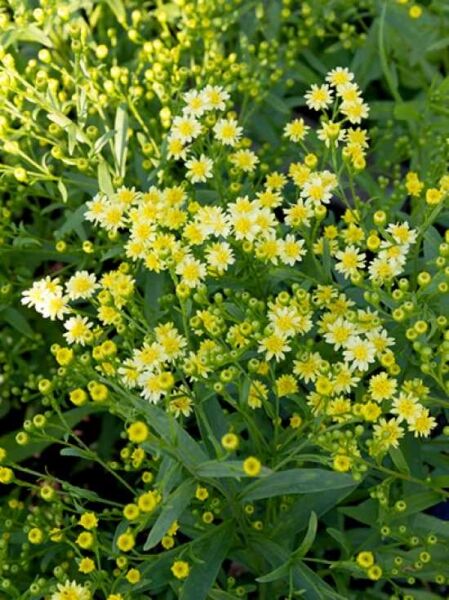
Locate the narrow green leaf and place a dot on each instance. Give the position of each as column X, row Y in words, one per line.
column 296, row 481
column 172, row 509
column 104, row 178
column 17, row 320
column 309, row 538
column 120, row 138
column 213, row 551
column 216, row 468
column 77, row 452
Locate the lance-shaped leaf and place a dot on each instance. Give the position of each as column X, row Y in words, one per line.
column 172, row 510
column 296, row 481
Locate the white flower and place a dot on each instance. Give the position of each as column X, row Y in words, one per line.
column 199, row 169
column 78, row 330
column 360, row 353
column 318, row 97
column 227, row 131
column 185, row 128
column 71, row 590
column 196, row 103
column 81, row 285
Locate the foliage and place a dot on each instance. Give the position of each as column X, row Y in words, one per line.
column 223, row 306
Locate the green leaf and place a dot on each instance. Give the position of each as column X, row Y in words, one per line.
column 63, row 190
column 104, row 178
column 309, row 538
column 173, row 508
column 276, row 574
column 18, row 453
column 296, row 481
column 77, row 452
column 120, row 138
column 16, row 319
column 72, row 222
column 213, row 551
column 118, row 8
column 175, row 439
column 217, row 468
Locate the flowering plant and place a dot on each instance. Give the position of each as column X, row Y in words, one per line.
column 245, row 383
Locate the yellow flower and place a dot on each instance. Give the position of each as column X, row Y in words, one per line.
column 85, row 540
column 88, row 520
column 147, row 502
column 433, row 196
column 126, row 542
column 6, row 475
column 230, row 441
column 365, row 559
column 35, row 535
column 252, row 466
column 131, row 512
column 133, row 576
column 64, row 356
column 180, row 569
column 415, row 11
column 138, row 432
column 201, row 493
column 78, row 397
column 375, row 572
column 342, row 463
column 86, row 565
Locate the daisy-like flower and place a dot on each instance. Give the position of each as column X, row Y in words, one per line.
column 54, row 306
column 406, row 407
column 402, row 234
column 274, row 346
column 181, row 405
column 129, row 373
column 192, row 271
column 185, row 128
column 196, row 103
column 299, row 214
column 227, row 131
column 95, row 208
column 291, row 250
column 151, row 387
column 359, row 353
column 113, row 217
column 330, row 133
column 199, row 169
column 339, row 332
column 35, row 296
column 212, row 220
column 318, row 97
column 422, row 423
column 78, row 330
column 176, row 148
column 171, row 340
column 296, row 130
column 316, row 191
column 382, row 387
column 149, row 357
column 220, row 256
column 285, row 320
column 216, row 97
column 308, row 368
column 355, row 111
column 350, row 260
column 70, row 590
column 245, row 160
column 81, row 285
column 388, row 432
column 340, row 76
